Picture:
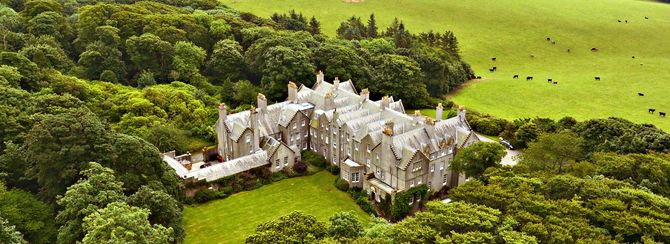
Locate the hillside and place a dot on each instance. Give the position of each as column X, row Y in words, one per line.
column 512, row 31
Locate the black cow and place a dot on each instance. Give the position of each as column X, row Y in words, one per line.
column 532, row 56
column 548, row 39
column 495, row 68
column 662, row 114
column 529, row 78
column 491, row 69
column 555, row 83
column 626, row 21
column 553, row 42
column 651, row 110
column 493, row 59
column 640, row 94
column 633, row 56
column 568, row 49
column 515, row 76
column 597, row 77
column 479, row 77
column 645, row 17
column 549, row 80
column 594, row 49
column 619, row 20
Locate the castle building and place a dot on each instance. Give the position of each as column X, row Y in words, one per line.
column 376, row 145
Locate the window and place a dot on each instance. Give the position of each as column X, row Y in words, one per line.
column 277, row 163
column 430, row 183
column 295, row 126
column 383, row 175
column 334, row 131
column 441, row 166
column 411, row 200
column 368, row 162
column 379, row 171
column 285, row 161
column 417, row 166
column 304, row 146
column 248, row 139
column 444, row 179
column 418, row 181
column 326, row 140
column 368, row 148
column 442, row 153
column 432, row 168
column 356, row 147
column 303, row 122
column 355, row 177
column 334, row 144
column 450, row 150
column 377, row 157
column 334, row 159
column 305, row 135
column 251, row 150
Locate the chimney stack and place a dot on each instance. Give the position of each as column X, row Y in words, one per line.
column 253, row 117
column 385, row 102
column 221, row 131
column 461, row 114
column 262, row 103
column 319, row 76
column 336, row 83
column 329, row 101
column 223, row 112
column 292, row 92
column 430, row 125
column 388, row 128
column 438, row 112
column 417, row 117
column 364, row 95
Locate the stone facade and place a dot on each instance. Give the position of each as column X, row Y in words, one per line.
column 375, row 143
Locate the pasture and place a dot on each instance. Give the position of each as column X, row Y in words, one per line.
column 515, row 32
column 232, row 219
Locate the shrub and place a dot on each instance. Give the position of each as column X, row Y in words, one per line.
column 300, row 167
column 226, row 190
column 333, row 169
column 277, row 176
column 108, row 76
column 207, row 195
column 341, row 184
column 314, row 159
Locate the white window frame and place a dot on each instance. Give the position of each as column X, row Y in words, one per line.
column 444, row 179
column 286, row 161
column 295, row 126
column 432, row 168
column 368, row 162
column 277, row 165
column 248, row 139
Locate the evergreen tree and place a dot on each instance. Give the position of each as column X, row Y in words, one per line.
column 372, row 27
column 314, row 26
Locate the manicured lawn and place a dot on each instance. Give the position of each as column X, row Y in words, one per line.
column 232, row 219
column 512, row 30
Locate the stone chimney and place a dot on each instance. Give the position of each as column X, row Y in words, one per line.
column 387, row 154
column 388, row 128
column 262, row 103
column 461, row 114
column 319, row 76
column 292, row 92
column 438, row 112
column 364, row 95
column 221, row 131
column 429, row 125
column 384, row 104
column 253, row 120
column 417, row 117
column 329, row 101
column 336, row 83
column 223, row 112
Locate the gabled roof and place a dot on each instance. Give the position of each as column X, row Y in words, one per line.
column 231, row 167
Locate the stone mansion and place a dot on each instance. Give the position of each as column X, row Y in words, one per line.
column 375, row 143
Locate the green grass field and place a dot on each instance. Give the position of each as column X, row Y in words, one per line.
column 513, row 30
column 232, row 219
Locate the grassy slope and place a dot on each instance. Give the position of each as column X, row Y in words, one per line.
column 232, row 219
column 513, row 30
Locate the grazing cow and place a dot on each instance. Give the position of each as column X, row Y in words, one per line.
column 495, row 68
column 594, row 49
column 555, row 83
column 626, row 21
column 633, row 56
column 619, row 20
column 553, row 42
column 651, row 110
column 641, row 64
column 493, row 59
column 640, row 94
column 662, row 114
column 491, row 69
column 548, row 39
column 532, row 56
column 645, row 17
column 529, row 78
column 479, row 77
column 515, row 76
column 549, row 80
column 568, row 49
column 597, row 77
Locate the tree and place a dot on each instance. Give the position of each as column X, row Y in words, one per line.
column 150, row 52
column 59, row 145
column 108, row 76
column 9, row 234
column 400, row 76
column 34, row 219
column 27, row 68
column 104, row 54
column 293, row 228
column 226, row 61
column 476, row 158
column 120, row 223
column 51, row 23
column 314, row 26
column 187, row 60
column 9, row 76
column 553, row 151
column 145, row 78
column 94, row 191
column 372, row 27
column 341, row 60
column 281, row 65
column 220, row 30
column 164, row 210
column 245, row 92
column 345, row 226
column 352, row 29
